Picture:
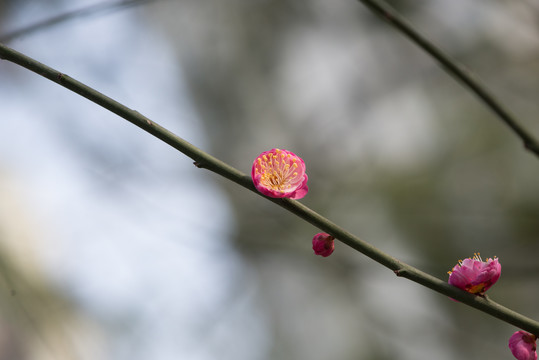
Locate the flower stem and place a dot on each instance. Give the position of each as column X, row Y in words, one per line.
column 204, row 160
column 455, row 69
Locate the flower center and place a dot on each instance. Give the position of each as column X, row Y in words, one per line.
column 476, row 289
column 278, row 171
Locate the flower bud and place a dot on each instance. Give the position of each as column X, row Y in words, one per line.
column 522, row 345
column 323, row 244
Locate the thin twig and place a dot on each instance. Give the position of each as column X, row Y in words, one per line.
column 455, row 69
column 70, row 15
column 204, row 160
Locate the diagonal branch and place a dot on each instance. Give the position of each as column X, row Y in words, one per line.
column 204, row 160
column 455, row 69
column 70, row 15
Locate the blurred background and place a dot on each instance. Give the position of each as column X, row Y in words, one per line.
column 114, row 246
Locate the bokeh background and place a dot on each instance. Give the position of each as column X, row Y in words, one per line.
column 114, row 246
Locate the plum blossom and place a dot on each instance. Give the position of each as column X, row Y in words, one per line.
column 280, row 174
column 323, row 244
column 475, row 275
column 522, row 345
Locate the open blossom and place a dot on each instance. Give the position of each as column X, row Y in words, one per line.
column 323, row 244
column 522, row 345
column 475, row 275
column 280, row 173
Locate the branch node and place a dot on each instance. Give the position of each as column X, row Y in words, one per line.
column 400, row 272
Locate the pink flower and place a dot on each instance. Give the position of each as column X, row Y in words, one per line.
column 522, row 345
column 280, row 173
column 323, row 244
column 475, row 275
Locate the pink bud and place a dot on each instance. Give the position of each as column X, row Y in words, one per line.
column 280, row 174
column 522, row 345
column 323, row 244
column 475, row 275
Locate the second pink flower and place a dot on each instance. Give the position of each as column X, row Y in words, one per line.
column 475, row 275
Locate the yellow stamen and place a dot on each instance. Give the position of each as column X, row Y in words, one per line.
column 277, row 170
